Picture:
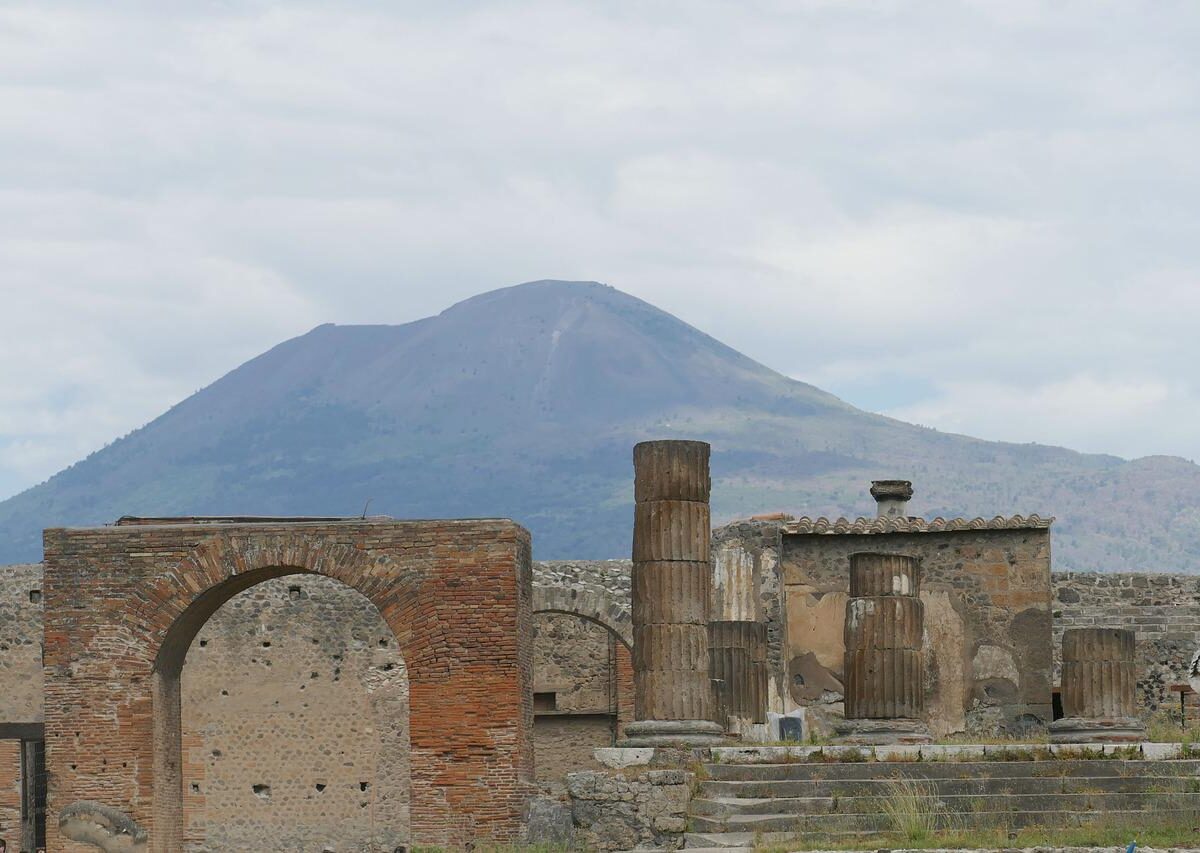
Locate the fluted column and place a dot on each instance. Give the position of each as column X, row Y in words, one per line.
column 1099, row 687
column 673, row 697
column 737, row 641
column 884, row 684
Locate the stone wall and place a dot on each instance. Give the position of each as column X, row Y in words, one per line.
column 987, row 622
column 1163, row 610
column 10, row 793
column 21, row 644
column 295, row 714
column 627, row 809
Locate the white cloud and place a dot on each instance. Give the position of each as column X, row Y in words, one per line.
column 992, row 206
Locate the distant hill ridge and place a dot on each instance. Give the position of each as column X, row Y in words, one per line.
column 525, row 402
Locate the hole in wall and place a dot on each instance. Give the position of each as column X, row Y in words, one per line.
column 35, row 596
column 263, row 792
column 320, row 786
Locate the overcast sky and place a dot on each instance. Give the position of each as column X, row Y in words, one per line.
column 979, row 217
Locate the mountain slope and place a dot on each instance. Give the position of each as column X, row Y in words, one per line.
column 525, row 402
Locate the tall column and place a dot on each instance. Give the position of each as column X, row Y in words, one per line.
column 884, row 684
column 1099, row 688
column 673, row 702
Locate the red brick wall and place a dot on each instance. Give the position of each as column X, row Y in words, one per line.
column 455, row 593
column 623, row 685
column 10, row 793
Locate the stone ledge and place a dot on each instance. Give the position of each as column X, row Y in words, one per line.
column 942, row 752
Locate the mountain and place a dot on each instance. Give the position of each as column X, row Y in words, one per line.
column 526, row 402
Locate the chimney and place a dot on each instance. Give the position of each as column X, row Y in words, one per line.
column 892, row 497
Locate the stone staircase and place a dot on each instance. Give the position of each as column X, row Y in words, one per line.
column 738, row 804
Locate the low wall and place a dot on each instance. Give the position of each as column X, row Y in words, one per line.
column 633, row 808
column 1163, row 610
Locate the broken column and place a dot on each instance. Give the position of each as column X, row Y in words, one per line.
column 884, row 685
column 1099, row 684
column 737, row 642
column 673, row 697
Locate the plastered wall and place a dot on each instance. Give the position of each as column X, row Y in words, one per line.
column 987, row 622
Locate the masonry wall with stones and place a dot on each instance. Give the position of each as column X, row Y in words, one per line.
column 455, row 595
column 21, row 644
column 637, row 808
column 1162, row 609
column 295, row 715
column 583, row 694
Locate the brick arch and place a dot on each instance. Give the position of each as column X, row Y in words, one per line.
column 586, row 604
column 123, row 604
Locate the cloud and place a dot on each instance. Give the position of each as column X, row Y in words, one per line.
column 963, row 213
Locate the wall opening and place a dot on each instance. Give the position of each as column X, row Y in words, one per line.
column 287, row 702
column 583, row 692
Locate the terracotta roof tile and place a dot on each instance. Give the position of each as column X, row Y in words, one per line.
column 900, row 524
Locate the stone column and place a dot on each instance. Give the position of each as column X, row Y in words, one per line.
column 884, row 685
column 1099, row 688
column 737, row 642
column 673, row 702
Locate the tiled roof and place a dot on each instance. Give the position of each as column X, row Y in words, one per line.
column 901, row 524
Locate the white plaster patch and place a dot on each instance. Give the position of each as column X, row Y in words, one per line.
column 901, row 585
column 994, row 662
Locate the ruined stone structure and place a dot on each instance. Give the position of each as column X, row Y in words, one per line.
column 1163, row 609
column 1098, row 688
column 671, row 582
column 885, row 664
column 737, row 644
column 123, row 605
column 987, row 606
column 299, row 695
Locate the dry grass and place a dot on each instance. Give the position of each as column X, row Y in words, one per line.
column 911, row 807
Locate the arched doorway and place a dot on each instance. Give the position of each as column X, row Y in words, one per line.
column 124, row 603
column 583, row 692
column 295, row 724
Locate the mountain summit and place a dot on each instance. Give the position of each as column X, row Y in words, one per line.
column 525, row 402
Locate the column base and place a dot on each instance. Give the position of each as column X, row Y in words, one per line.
column 862, row 732
column 1110, row 730
column 673, row 733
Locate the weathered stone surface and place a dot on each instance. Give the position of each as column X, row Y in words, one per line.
column 621, row 811
column 983, row 580
column 671, row 470
column 738, row 669
column 550, row 822
column 1098, row 687
column 1163, row 608
column 884, row 661
column 671, row 580
column 124, row 603
column 102, row 826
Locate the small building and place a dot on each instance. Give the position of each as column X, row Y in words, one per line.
column 987, row 593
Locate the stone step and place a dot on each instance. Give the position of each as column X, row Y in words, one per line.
column 951, row 769
column 835, row 825
column 984, row 786
column 721, row 841
column 951, row 805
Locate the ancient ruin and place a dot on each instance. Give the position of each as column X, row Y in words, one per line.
column 1098, row 688
column 671, row 579
column 124, row 603
column 885, row 662
column 372, row 684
